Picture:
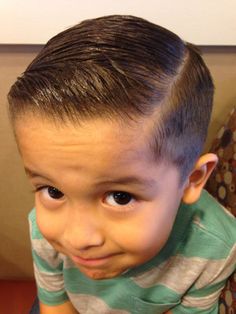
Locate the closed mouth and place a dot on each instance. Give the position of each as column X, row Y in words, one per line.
column 92, row 261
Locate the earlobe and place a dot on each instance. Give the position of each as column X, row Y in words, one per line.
column 198, row 177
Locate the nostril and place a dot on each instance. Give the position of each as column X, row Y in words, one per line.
column 80, row 241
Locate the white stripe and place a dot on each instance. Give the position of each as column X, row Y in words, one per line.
column 179, row 273
column 68, row 263
column 48, row 281
column 93, row 305
column 202, row 303
column 45, row 250
column 217, row 271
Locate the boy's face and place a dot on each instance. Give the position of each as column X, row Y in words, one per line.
column 100, row 197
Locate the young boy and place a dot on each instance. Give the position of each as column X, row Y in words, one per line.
column 110, row 119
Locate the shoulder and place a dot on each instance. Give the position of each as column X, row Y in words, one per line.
column 208, row 247
column 209, row 223
column 34, row 230
column 44, row 255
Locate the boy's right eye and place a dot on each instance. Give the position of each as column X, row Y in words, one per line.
column 51, row 191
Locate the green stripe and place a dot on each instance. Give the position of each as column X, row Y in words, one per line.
column 204, row 245
column 52, row 297
column 203, row 292
column 122, row 290
column 35, row 233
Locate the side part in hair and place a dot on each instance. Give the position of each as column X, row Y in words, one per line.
column 122, row 67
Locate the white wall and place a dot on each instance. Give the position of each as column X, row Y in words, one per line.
column 203, row 22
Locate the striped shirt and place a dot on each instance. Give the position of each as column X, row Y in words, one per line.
column 187, row 276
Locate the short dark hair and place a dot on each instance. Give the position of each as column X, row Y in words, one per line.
column 122, row 67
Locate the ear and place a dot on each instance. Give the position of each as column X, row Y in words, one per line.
column 198, row 177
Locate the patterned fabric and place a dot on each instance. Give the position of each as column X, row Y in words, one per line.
column 222, row 185
column 187, row 276
column 228, row 297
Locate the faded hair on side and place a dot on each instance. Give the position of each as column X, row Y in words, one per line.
column 122, row 67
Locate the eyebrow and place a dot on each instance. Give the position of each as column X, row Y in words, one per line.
column 147, row 182
column 129, row 180
column 32, row 174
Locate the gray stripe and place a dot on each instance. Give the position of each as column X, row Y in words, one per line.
column 202, row 303
column 49, row 281
column 88, row 304
column 68, row 263
column 179, row 273
column 217, row 271
column 44, row 250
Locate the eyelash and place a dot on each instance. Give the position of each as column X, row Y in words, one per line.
column 39, row 188
column 129, row 204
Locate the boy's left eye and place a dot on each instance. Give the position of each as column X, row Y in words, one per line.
column 119, row 198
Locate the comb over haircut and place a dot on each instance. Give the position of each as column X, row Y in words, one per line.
column 122, row 67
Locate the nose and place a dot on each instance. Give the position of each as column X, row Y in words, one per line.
column 82, row 231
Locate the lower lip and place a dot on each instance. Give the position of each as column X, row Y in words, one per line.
column 91, row 262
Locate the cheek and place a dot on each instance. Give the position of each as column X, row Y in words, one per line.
column 152, row 237
column 49, row 224
column 148, row 232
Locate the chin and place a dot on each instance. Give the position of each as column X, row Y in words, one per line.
column 99, row 274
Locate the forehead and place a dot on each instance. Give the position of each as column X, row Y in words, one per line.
column 124, row 140
column 93, row 152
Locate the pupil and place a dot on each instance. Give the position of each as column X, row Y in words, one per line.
column 122, row 198
column 54, row 193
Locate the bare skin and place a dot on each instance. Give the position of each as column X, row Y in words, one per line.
column 100, row 197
